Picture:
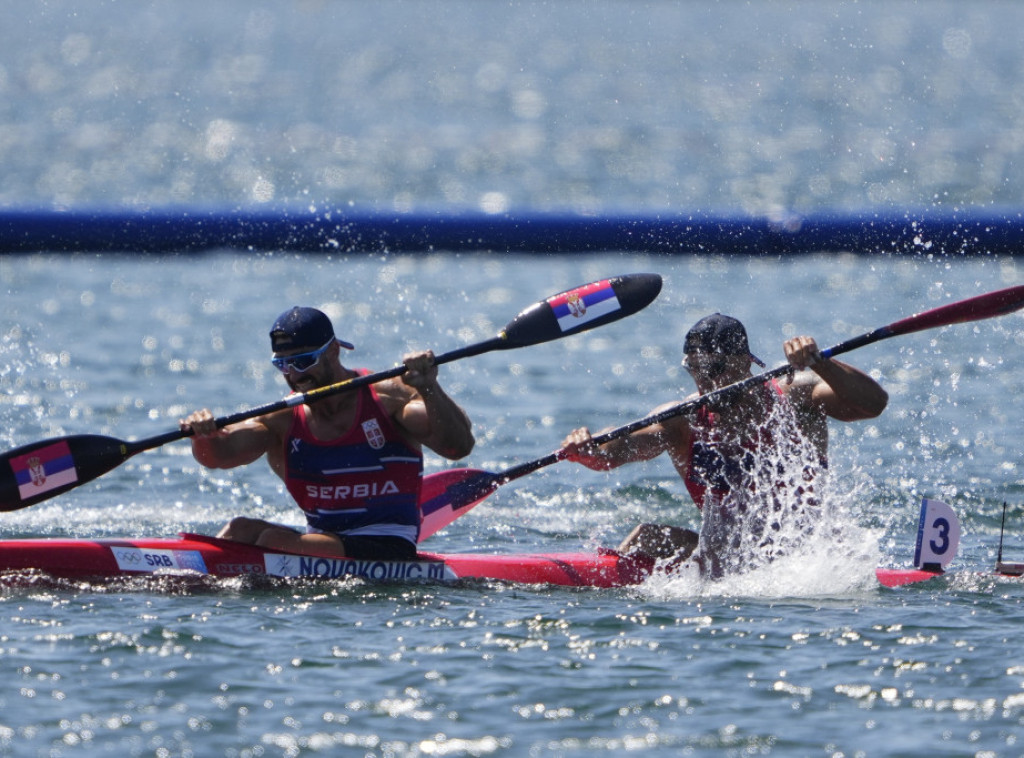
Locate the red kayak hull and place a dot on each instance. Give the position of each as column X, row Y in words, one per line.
column 198, row 554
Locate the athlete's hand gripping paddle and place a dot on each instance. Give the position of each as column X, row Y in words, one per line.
column 42, row 470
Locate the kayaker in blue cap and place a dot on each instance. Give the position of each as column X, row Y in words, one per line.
column 750, row 462
column 353, row 461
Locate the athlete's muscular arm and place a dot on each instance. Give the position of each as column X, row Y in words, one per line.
column 424, row 410
column 642, row 445
column 842, row 391
column 234, row 445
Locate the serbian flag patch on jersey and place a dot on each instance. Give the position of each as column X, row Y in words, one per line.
column 583, row 304
column 44, row 469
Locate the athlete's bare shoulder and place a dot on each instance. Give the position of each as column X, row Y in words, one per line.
column 394, row 395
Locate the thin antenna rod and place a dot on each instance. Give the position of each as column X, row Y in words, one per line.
column 1002, row 527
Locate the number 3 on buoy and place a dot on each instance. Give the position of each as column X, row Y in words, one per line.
column 938, row 536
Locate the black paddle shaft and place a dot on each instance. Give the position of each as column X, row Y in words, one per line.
column 988, row 305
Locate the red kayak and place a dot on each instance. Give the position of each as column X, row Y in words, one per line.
column 195, row 554
column 201, row 555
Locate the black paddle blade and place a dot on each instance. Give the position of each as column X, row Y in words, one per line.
column 36, row 472
column 585, row 307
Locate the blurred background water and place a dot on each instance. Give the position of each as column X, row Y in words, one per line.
column 556, row 105
column 569, row 104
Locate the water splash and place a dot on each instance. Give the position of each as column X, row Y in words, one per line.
column 782, row 529
column 821, row 568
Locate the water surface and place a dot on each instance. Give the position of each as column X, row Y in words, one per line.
column 807, row 659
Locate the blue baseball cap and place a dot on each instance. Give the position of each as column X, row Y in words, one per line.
column 303, row 327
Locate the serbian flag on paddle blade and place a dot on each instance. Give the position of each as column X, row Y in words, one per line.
column 44, row 469
column 576, row 307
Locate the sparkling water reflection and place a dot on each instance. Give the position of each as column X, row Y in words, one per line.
column 806, row 657
column 586, row 106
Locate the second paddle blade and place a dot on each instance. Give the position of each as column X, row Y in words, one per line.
column 446, row 495
column 585, row 307
column 36, row 472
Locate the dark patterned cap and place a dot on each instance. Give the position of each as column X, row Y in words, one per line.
column 302, row 327
column 719, row 334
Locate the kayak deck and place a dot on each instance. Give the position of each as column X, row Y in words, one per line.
column 200, row 554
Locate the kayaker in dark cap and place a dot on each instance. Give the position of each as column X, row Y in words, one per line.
column 353, row 461
column 751, row 461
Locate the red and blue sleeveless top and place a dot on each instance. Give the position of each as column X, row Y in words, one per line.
column 365, row 482
column 718, row 467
